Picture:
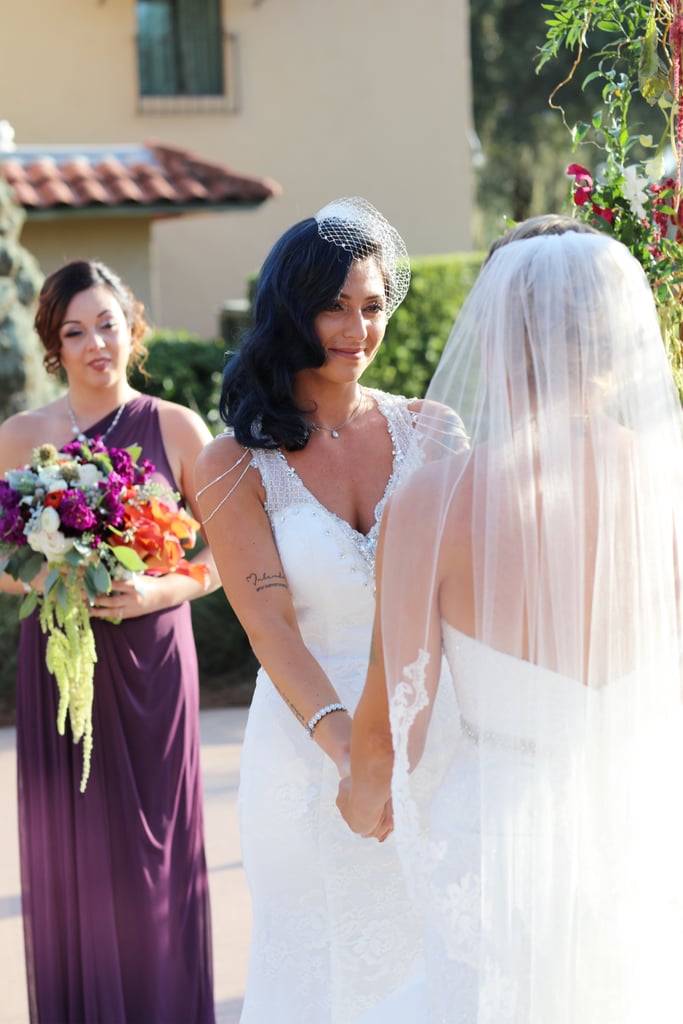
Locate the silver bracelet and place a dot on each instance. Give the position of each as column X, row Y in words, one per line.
column 327, row 710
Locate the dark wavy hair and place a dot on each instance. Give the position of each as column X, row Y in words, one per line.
column 59, row 289
column 302, row 275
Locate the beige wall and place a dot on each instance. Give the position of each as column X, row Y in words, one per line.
column 371, row 97
column 122, row 242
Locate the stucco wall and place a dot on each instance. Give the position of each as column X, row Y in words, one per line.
column 122, row 242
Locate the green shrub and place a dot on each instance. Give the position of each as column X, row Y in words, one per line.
column 9, row 641
column 183, row 368
column 419, row 329
column 226, row 662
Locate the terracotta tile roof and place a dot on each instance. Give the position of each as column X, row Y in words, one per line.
column 156, row 178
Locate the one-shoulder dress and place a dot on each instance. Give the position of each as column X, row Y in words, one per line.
column 114, row 881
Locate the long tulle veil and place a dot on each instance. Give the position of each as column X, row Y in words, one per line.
column 538, row 767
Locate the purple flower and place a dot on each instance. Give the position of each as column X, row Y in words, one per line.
column 75, row 513
column 123, row 465
column 11, row 515
column 12, row 526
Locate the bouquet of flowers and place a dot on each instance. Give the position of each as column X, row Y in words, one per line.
column 91, row 514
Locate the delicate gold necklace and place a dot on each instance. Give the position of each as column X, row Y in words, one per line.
column 334, row 431
column 78, row 433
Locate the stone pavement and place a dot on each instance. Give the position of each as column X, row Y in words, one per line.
column 221, row 735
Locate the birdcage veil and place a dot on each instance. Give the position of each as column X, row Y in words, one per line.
column 353, row 223
column 538, row 761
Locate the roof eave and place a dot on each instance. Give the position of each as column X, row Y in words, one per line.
column 153, row 211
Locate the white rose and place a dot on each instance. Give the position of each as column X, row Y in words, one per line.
column 89, row 475
column 49, row 519
column 53, row 544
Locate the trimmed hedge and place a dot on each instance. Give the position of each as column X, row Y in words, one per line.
column 183, row 368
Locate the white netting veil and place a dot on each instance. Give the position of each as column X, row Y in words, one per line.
column 531, row 615
column 353, row 224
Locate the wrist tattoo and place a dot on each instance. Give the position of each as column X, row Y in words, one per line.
column 265, row 580
column 292, row 707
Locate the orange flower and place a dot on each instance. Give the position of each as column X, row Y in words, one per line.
column 159, row 535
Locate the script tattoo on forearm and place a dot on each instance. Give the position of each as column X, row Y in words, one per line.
column 265, row 580
column 289, row 704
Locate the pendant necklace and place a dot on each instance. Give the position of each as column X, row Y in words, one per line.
column 334, row 431
column 78, row 433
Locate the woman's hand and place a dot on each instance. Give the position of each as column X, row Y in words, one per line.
column 364, row 822
column 129, row 598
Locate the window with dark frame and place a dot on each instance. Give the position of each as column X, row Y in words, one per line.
column 180, row 48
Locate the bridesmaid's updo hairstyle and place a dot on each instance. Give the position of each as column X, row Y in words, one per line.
column 59, row 289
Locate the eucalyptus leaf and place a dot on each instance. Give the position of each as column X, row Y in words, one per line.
column 30, row 566
column 51, row 580
column 96, row 580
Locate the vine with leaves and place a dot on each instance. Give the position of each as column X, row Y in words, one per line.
column 632, row 48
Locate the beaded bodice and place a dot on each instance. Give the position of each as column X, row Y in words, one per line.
column 285, row 491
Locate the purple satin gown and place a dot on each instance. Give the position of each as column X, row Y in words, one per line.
column 114, row 883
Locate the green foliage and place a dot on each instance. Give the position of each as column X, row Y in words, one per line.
column 223, row 651
column 520, row 170
column 629, row 195
column 419, row 329
column 183, row 368
column 9, row 641
column 517, row 89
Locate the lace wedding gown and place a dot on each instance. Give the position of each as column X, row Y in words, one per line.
column 589, row 936
column 333, row 930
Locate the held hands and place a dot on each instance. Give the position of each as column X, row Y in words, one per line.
column 366, row 824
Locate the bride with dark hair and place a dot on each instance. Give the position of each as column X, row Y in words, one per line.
column 525, row 689
column 292, row 496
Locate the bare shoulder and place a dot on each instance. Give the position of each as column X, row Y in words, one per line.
column 180, row 422
column 227, row 483
column 24, row 431
column 440, row 424
column 428, row 407
column 219, row 457
column 434, row 489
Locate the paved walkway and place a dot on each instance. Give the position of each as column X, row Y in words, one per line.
column 221, row 733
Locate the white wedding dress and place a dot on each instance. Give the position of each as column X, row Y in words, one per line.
column 333, row 929
column 491, row 958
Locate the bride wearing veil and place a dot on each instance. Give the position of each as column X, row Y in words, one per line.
column 523, row 702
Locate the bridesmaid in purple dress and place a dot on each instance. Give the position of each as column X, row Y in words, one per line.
column 114, row 883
